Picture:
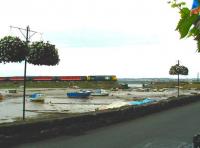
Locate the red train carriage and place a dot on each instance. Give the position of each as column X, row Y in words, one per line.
column 3, row 78
column 16, row 78
column 42, row 78
column 72, row 78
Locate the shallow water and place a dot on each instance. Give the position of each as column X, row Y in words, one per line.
column 11, row 107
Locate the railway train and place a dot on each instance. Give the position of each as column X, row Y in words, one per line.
column 61, row 78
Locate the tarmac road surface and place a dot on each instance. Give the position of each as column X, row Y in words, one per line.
column 173, row 128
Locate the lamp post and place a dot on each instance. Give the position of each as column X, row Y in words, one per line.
column 27, row 37
column 178, row 70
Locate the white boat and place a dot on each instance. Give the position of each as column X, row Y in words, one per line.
column 37, row 97
column 99, row 92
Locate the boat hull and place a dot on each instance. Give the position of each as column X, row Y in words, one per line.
column 97, row 94
column 78, row 94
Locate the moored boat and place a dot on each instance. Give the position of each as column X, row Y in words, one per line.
column 37, row 97
column 80, row 94
column 99, row 92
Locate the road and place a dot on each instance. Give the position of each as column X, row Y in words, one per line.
column 168, row 129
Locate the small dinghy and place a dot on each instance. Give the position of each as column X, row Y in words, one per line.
column 37, row 97
column 99, row 92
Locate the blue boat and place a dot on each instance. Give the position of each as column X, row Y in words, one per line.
column 37, row 97
column 81, row 94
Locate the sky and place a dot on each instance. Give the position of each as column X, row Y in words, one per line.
column 126, row 38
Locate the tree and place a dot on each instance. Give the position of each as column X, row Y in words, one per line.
column 178, row 70
column 13, row 49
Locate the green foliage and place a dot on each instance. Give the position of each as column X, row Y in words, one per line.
column 198, row 46
column 194, row 32
column 174, row 4
column 178, row 69
column 12, row 49
column 185, row 22
column 187, row 25
column 41, row 53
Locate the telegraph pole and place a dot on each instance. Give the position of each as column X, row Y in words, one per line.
column 27, row 37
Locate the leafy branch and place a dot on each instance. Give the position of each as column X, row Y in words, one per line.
column 188, row 23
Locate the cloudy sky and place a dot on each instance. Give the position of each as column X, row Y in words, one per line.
column 127, row 38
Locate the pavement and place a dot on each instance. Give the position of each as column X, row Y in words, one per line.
column 172, row 128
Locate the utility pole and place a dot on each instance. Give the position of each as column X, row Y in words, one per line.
column 27, row 37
